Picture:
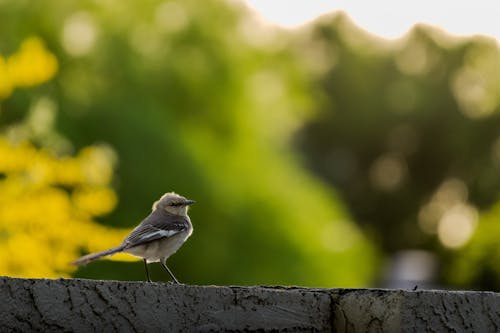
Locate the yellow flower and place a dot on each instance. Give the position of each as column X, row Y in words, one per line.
column 48, row 203
column 33, row 64
column 94, row 200
column 51, row 216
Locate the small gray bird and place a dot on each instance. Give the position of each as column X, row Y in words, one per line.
column 157, row 237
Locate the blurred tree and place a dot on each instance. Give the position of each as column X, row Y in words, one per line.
column 408, row 133
column 203, row 100
column 47, row 200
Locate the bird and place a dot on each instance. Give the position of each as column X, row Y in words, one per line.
column 156, row 237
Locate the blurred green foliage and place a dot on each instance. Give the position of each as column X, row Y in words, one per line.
column 409, row 133
column 194, row 98
column 270, row 131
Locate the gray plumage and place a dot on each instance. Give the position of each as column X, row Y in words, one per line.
column 158, row 236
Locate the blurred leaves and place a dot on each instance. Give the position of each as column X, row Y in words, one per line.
column 270, row 131
column 408, row 133
column 203, row 100
column 47, row 202
column 475, row 88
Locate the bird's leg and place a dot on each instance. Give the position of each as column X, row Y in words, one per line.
column 146, row 267
column 169, row 272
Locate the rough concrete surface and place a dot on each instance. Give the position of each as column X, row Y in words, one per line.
column 75, row 305
column 375, row 310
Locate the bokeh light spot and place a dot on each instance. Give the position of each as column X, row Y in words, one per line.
column 415, row 58
column 450, row 193
column 79, row 34
column 457, row 225
column 388, row 172
column 171, row 17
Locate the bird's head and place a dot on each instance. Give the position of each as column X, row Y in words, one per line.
column 173, row 203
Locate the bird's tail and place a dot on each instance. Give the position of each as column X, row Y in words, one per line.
column 93, row 256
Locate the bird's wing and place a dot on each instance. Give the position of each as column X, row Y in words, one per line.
column 155, row 227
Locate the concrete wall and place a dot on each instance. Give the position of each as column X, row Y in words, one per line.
column 74, row 305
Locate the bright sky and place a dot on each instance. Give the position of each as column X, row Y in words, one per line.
column 391, row 18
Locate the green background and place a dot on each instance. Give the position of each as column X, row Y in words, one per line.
column 275, row 134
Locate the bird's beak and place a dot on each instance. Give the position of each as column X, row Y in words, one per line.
column 189, row 202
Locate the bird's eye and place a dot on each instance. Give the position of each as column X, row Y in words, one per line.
column 175, row 204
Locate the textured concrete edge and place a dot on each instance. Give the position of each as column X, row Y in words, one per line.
column 219, row 308
column 385, row 310
column 79, row 305
column 336, row 292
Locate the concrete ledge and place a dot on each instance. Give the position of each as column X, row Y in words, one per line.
column 108, row 306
